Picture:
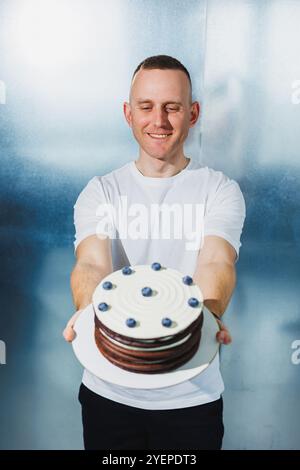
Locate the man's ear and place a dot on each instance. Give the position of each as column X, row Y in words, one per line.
column 127, row 113
column 195, row 111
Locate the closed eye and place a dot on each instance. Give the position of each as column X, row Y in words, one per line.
column 168, row 109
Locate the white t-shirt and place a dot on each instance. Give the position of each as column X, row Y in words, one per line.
column 215, row 205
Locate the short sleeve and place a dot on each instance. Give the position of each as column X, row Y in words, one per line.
column 91, row 212
column 226, row 212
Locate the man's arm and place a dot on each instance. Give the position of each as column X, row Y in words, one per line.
column 94, row 262
column 216, row 277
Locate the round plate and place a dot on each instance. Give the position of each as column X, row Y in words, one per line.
column 91, row 358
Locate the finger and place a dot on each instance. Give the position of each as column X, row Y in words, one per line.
column 223, row 336
column 69, row 334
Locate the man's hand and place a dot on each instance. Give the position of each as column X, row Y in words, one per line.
column 223, row 336
column 69, row 332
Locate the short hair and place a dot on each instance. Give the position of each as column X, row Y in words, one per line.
column 163, row 62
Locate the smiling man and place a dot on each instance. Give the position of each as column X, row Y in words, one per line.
column 160, row 113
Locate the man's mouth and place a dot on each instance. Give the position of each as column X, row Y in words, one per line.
column 159, row 136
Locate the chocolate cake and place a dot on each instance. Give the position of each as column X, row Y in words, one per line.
column 148, row 319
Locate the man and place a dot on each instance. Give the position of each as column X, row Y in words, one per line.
column 160, row 112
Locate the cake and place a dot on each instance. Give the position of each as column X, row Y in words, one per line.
column 148, row 318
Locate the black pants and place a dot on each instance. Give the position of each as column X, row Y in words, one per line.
column 109, row 425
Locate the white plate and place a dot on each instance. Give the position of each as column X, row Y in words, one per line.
column 90, row 357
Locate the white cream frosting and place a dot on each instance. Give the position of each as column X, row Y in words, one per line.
column 169, row 299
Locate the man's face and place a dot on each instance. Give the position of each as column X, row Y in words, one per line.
column 160, row 112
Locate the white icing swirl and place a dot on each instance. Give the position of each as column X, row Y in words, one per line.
column 169, row 299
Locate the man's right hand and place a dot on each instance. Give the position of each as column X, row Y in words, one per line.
column 69, row 332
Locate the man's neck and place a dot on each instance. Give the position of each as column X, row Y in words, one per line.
column 155, row 168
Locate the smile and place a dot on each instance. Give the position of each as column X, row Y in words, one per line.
column 159, row 136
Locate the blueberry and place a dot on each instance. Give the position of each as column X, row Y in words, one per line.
column 107, row 285
column 103, row 307
column 193, row 302
column 166, row 322
column 127, row 270
column 130, row 322
column 156, row 266
column 187, row 280
column 147, row 291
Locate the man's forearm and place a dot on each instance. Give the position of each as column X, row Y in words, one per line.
column 217, row 282
column 84, row 279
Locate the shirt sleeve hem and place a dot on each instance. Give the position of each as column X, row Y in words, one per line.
column 224, row 235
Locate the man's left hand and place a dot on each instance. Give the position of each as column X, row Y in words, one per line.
column 223, row 336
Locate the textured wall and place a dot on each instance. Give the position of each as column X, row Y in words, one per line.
column 65, row 69
column 251, row 132
column 64, row 73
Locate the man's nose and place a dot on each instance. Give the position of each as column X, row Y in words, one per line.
column 160, row 117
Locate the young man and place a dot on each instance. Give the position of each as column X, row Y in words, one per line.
column 160, row 113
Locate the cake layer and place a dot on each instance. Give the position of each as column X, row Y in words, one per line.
column 138, row 366
column 146, row 342
column 150, row 359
